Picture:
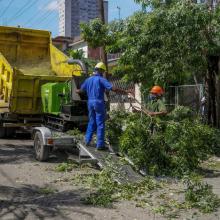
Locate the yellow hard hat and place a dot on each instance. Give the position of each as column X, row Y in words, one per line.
column 100, row 65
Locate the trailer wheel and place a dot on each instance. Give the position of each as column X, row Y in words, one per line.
column 2, row 132
column 42, row 152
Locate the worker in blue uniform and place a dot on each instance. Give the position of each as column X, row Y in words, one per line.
column 95, row 87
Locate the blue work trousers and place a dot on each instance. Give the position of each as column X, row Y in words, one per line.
column 96, row 122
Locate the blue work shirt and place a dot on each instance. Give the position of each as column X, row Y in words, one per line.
column 95, row 87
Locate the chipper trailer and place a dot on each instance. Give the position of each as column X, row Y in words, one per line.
column 64, row 110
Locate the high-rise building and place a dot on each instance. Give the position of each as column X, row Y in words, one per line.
column 73, row 12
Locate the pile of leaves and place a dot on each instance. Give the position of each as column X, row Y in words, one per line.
column 105, row 190
column 200, row 195
column 66, row 166
column 174, row 145
column 156, row 195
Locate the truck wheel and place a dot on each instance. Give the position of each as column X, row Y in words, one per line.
column 10, row 132
column 2, row 132
column 41, row 151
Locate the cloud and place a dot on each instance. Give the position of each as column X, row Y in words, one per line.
column 52, row 6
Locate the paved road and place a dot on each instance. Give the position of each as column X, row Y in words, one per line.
column 25, row 185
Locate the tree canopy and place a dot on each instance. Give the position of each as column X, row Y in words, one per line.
column 173, row 43
column 170, row 45
column 167, row 45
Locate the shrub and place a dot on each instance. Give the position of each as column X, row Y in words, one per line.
column 146, row 150
column 163, row 146
column 200, row 195
column 114, row 127
column 189, row 143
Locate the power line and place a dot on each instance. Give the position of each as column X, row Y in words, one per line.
column 45, row 16
column 0, row 1
column 31, row 20
column 45, row 19
column 50, row 20
column 6, row 8
column 23, row 9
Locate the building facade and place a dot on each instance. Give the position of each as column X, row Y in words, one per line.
column 62, row 43
column 73, row 12
column 91, row 53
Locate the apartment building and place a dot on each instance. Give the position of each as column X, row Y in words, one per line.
column 73, row 12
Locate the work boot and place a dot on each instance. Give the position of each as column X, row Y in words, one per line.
column 87, row 144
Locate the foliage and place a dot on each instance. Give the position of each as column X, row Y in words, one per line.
column 94, row 33
column 76, row 133
column 172, row 145
column 189, row 143
column 162, row 152
column 105, row 186
column 76, row 54
column 110, row 37
column 106, row 190
column 168, row 45
column 144, row 149
column 180, row 113
column 79, row 54
column 174, row 42
column 114, row 126
column 156, row 3
column 98, row 34
column 66, row 166
column 47, row 191
column 200, row 195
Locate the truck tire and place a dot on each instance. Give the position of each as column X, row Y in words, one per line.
column 2, row 132
column 41, row 151
column 10, row 132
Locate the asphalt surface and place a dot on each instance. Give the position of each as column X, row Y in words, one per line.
column 33, row 190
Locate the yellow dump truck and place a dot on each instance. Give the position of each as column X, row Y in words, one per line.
column 27, row 61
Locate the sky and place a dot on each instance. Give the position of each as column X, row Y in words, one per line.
column 43, row 14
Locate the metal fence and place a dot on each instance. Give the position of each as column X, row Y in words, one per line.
column 118, row 98
column 185, row 95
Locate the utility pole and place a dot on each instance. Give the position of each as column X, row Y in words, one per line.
column 119, row 13
column 103, row 53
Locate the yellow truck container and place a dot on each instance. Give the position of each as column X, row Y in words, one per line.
column 28, row 60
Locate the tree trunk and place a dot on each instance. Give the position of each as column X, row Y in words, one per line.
column 218, row 99
column 212, row 91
